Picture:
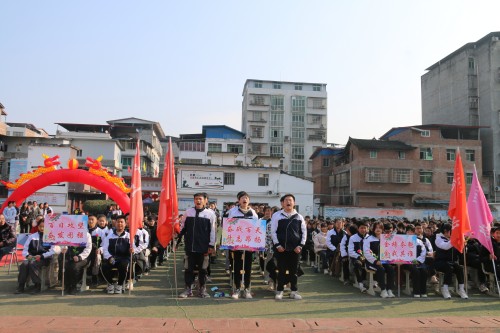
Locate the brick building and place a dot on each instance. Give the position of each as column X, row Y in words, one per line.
column 406, row 167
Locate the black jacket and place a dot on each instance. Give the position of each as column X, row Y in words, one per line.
column 199, row 230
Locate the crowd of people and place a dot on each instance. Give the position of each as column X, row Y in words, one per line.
column 343, row 247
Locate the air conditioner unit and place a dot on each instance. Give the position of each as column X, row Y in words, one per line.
column 497, row 188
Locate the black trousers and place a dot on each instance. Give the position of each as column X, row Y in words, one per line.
column 418, row 275
column 121, row 264
column 195, row 261
column 31, row 269
column 237, row 264
column 359, row 270
column 73, row 272
column 287, row 263
column 449, row 268
column 383, row 272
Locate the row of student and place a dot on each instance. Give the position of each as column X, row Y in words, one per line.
column 361, row 249
column 111, row 245
column 287, row 231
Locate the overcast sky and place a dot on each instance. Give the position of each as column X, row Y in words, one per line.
column 184, row 63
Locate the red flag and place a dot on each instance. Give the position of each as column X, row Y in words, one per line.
column 168, row 209
column 457, row 211
column 136, row 209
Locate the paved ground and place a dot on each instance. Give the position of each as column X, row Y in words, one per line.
column 327, row 306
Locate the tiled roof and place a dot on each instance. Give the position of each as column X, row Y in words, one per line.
column 380, row 144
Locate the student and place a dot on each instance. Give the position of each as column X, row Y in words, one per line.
column 333, row 239
column 344, row 251
column 199, row 228
column 446, row 261
column 321, row 247
column 488, row 258
column 76, row 261
column 288, row 230
column 418, row 269
column 242, row 210
column 116, row 254
column 270, row 276
column 371, row 251
column 355, row 251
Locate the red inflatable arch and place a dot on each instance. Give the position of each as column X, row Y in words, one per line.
column 72, row 176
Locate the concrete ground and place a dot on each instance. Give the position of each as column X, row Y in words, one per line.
column 153, row 305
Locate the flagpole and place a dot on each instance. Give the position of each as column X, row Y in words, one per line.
column 465, row 268
column 131, row 268
column 63, row 271
column 496, row 276
column 175, row 257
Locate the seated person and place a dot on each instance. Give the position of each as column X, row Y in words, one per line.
column 36, row 256
column 418, row 268
column 492, row 258
column 352, row 230
column 355, row 251
column 76, row 261
column 384, row 273
column 141, row 244
column 446, row 261
column 156, row 250
column 320, row 247
column 116, row 254
column 7, row 237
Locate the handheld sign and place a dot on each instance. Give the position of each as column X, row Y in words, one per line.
column 243, row 234
column 398, row 249
column 70, row 230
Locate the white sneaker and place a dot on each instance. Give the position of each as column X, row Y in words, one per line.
column 445, row 292
column 118, row 289
column 384, row 294
column 424, row 295
column 186, row 293
column 295, row 295
column 247, row 294
column 416, row 296
column 325, row 271
column 110, row 289
column 236, row 294
column 390, row 294
column 462, row 293
column 279, row 295
column 483, row 288
column 271, row 286
column 361, row 287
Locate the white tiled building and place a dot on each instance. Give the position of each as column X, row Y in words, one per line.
column 287, row 120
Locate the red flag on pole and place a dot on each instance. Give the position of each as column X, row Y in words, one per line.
column 136, row 209
column 168, row 209
column 457, row 211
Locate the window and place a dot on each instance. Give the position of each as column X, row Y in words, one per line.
column 277, row 103
column 298, row 86
column 17, row 134
column 401, row 155
column 380, row 204
column 402, row 176
column 398, row 204
column 263, row 179
column 79, row 153
column 256, row 132
column 426, row 177
column 277, row 118
column 468, row 178
column 298, row 152
column 257, row 116
column 299, row 103
column 214, row 147
column 258, row 100
column 256, row 148
column 228, row 178
column 450, row 154
column 127, row 161
column 374, row 175
column 326, row 162
column 297, row 135
column 276, row 134
column 257, row 84
column 425, row 133
column 233, row 148
column 277, row 150
column 426, row 153
column 316, row 87
column 297, row 168
column 316, row 119
column 276, row 85
column 192, row 146
column 471, row 63
column 373, row 154
column 191, row 161
column 470, row 155
column 449, row 177
column 297, row 119
column 318, row 104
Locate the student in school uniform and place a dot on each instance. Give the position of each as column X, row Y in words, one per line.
column 355, row 251
column 418, row 268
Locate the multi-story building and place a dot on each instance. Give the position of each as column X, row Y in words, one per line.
column 407, row 167
column 286, row 120
column 463, row 89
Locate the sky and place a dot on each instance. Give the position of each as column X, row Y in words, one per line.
column 184, row 63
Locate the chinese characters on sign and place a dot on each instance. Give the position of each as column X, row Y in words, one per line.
column 68, row 230
column 398, row 248
column 243, row 234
